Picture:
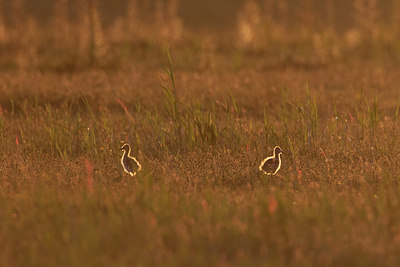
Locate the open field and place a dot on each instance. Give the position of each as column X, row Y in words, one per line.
column 200, row 122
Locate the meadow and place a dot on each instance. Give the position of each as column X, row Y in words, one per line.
column 201, row 107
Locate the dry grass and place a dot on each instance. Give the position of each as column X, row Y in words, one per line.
column 200, row 200
column 200, row 127
column 75, row 34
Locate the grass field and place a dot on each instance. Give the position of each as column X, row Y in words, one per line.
column 200, row 117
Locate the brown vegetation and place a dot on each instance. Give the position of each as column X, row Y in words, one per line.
column 73, row 90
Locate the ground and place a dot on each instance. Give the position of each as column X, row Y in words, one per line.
column 201, row 115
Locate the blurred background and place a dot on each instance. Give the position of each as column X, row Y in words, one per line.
column 70, row 34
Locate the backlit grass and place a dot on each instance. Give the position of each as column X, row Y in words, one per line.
column 319, row 80
column 200, row 198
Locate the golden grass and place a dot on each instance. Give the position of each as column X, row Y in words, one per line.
column 76, row 35
column 200, row 128
column 65, row 198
